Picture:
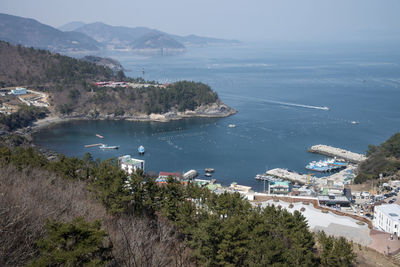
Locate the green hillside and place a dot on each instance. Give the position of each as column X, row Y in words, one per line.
column 384, row 159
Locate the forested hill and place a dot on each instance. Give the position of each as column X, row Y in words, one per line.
column 70, row 85
column 32, row 67
column 384, row 159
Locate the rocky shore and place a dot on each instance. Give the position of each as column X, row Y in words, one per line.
column 215, row 110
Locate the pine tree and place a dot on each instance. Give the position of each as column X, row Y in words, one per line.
column 78, row 243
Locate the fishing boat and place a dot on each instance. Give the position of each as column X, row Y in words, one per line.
column 354, row 122
column 209, row 170
column 232, row 125
column 141, row 150
column 326, row 165
column 108, row 147
column 99, row 136
column 208, row 174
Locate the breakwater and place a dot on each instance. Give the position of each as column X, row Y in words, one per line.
column 337, row 152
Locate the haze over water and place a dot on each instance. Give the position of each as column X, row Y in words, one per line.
column 278, row 92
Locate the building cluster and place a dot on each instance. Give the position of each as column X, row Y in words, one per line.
column 28, row 97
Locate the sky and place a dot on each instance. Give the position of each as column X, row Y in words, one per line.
column 277, row 20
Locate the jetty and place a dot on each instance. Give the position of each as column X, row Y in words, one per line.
column 337, row 152
column 288, row 175
column 92, row 145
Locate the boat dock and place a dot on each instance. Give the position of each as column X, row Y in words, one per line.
column 337, row 152
column 92, row 145
column 288, row 175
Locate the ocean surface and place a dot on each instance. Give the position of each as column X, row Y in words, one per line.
column 278, row 92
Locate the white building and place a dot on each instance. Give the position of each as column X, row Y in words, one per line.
column 130, row 164
column 387, row 218
column 19, row 91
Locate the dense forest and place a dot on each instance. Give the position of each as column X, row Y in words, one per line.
column 73, row 212
column 70, row 83
column 384, row 159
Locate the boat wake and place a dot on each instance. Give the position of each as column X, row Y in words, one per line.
column 277, row 102
column 297, row 105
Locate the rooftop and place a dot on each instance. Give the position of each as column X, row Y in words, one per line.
column 129, row 160
column 280, row 183
column 391, row 210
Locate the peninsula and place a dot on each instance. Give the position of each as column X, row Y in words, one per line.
column 67, row 88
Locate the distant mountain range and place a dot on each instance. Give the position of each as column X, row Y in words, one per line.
column 31, row 33
column 139, row 37
column 78, row 36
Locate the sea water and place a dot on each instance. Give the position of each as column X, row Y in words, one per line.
column 278, row 93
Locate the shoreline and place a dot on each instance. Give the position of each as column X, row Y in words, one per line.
column 212, row 111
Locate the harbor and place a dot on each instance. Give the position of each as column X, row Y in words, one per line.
column 337, row 152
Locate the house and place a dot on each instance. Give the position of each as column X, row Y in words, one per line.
column 280, row 187
column 130, row 164
column 387, row 218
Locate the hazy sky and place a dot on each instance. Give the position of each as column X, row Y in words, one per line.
column 326, row 20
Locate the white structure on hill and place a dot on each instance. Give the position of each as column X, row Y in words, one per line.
column 19, row 91
column 130, row 164
column 387, row 218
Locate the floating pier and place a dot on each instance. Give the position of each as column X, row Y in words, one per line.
column 337, row 152
column 288, row 175
column 92, row 145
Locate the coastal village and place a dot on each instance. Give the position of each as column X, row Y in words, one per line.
column 370, row 218
column 367, row 217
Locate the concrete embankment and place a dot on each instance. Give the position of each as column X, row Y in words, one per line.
column 288, row 175
column 337, row 152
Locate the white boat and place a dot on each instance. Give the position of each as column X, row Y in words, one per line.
column 141, row 150
column 355, row 122
column 232, row 125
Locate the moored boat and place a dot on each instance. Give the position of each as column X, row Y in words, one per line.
column 326, row 165
column 209, row 170
column 99, row 136
column 141, row 150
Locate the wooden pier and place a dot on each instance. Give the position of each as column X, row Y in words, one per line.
column 337, row 152
column 92, row 145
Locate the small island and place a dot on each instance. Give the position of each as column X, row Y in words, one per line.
column 36, row 83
